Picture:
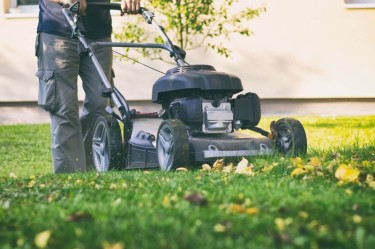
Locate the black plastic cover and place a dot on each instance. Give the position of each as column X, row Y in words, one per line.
column 188, row 110
column 195, row 80
column 247, row 109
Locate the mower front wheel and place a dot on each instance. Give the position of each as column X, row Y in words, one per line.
column 107, row 147
column 172, row 146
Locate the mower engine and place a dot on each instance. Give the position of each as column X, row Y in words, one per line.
column 202, row 99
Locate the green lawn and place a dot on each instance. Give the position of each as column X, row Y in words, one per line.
column 325, row 199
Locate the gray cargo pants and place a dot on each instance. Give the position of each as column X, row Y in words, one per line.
column 59, row 65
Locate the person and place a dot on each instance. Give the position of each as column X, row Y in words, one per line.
column 59, row 65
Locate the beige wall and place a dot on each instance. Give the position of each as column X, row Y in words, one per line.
column 301, row 49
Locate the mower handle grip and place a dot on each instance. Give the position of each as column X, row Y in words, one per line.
column 110, row 6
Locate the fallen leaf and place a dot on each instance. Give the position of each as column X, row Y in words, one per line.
column 235, row 208
column 366, row 163
column 244, row 168
column 206, row 167
column 241, row 166
column 346, row 174
column 117, row 201
column 80, row 216
column 218, row 165
column 219, row 228
column 281, row 223
column 370, row 181
column 113, row 186
column 182, row 169
column 303, row 214
column 252, row 210
column 268, row 168
column 222, row 227
column 229, row 168
column 12, row 175
column 297, row 162
column 315, row 161
column 166, row 201
column 196, row 199
column 357, row 219
column 41, row 239
column 298, row 171
column 118, row 245
column 31, row 184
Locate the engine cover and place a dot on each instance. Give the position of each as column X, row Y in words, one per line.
column 183, row 81
column 202, row 115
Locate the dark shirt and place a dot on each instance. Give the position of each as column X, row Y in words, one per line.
column 97, row 23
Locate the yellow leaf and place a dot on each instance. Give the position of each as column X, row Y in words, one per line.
column 369, row 178
column 281, row 223
column 243, row 168
column 206, row 167
column 315, row 161
column 268, row 168
column 241, row 209
column 242, row 164
column 357, row 219
column 219, row 228
column 229, row 168
column 166, row 201
column 309, row 167
column 370, row 181
column 303, row 214
column 113, row 186
column 319, row 173
column 252, row 210
column 348, row 191
column 12, row 175
column 218, row 164
column 118, row 245
column 346, row 174
column 31, row 184
column 117, row 201
column 297, row 172
column 297, row 162
column 236, row 208
column 372, row 185
column 41, row 239
column 366, row 163
column 182, row 169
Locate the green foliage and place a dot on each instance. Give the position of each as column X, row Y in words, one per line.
column 192, row 24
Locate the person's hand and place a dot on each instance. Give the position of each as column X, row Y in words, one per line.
column 130, row 6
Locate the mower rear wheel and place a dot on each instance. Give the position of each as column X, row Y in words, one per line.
column 172, row 145
column 291, row 137
column 107, row 147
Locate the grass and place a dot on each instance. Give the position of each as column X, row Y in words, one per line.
column 269, row 208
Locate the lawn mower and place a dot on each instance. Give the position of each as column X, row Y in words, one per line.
column 202, row 114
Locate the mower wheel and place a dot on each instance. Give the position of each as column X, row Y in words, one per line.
column 107, row 147
column 172, row 145
column 291, row 137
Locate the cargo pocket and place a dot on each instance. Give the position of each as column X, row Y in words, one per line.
column 47, row 98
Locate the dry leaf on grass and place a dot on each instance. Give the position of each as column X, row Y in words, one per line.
column 196, row 199
column 346, row 174
column 41, row 239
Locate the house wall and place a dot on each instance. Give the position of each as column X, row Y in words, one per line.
column 300, row 49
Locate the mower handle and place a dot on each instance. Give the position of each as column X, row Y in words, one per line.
column 111, row 6
column 178, row 54
column 98, row 5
